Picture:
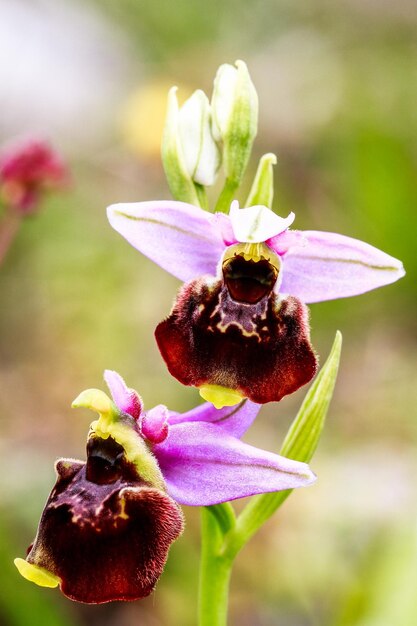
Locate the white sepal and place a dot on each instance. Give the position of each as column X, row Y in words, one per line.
column 257, row 223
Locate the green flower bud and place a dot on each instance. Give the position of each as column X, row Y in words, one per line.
column 262, row 190
column 235, row 117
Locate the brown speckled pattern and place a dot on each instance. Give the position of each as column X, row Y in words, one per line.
column 262, row 350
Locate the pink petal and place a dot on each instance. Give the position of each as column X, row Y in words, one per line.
column 235, row 420
column 224, row 225
column 127, row 400
column 181, row 238
column 204, row 465
column 283, row 242
column 334, row 266
column 154, row 424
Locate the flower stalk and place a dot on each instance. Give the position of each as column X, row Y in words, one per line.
column 9, row 227
column 226, row 196
column 215, row 572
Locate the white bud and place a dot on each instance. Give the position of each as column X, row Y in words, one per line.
column 224, row 93
column 200, row 151
column 235, row 116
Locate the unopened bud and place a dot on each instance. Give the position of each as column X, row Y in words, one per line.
column 189, row 153
column 201, row 153
column 235, row 117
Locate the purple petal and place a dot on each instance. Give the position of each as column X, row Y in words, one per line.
column 234, row 420
column 224, row 225
column 181, row 238
column 285, row 241
column 203, row 465
column 127, row 400
column 334, row 266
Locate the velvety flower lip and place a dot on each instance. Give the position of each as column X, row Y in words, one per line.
column 108, row 523
column 188, row 242
column 203, row 461
column 260, row 351
column 102, row 538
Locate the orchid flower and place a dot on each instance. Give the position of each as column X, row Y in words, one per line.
column 108, row 523
column 239, row 326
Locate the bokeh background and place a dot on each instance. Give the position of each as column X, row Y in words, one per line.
column 337, row 84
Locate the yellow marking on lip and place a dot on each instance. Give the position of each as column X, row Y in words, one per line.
column 253, row 252
column 123, row 514
column 220, row 396
column 36, row 574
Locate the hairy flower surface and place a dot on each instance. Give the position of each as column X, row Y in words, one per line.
column 108, row 523
column 28, row 168
column 239, row 326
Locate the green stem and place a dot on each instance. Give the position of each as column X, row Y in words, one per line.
column 202, row 196
column 215, row 570
column 9, row 228
column 258, row 510
column 226, row 196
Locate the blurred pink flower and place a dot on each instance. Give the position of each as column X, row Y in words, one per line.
column 27, row 169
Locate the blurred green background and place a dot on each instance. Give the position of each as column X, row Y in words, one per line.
column 337, row 84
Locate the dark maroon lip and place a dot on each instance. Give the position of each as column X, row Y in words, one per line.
column 262, row 350
column 249, row 281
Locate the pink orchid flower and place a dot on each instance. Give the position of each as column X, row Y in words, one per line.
column 240, row 323
column 109, row 522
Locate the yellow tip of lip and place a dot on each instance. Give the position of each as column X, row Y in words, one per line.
column 36, row 574
column 220, row 396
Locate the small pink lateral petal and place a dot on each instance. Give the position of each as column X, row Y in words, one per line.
column 282, row 243
column 127, row 400
column 154, row 424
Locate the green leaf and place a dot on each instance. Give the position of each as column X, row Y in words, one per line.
column 303, row 436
